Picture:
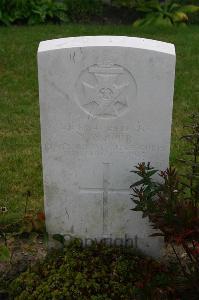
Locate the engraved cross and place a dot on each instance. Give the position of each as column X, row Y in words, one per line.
column 105, row 190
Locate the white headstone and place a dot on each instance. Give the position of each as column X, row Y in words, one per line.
column 106, row 105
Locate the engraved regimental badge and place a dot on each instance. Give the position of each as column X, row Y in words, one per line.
column 105, row 90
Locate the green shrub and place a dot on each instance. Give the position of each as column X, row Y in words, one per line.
column 97, row 272
column 84, row 11
column 125, row 3
column 167, row 13
column 193, row 17
column 32, row 11
column 7, row 12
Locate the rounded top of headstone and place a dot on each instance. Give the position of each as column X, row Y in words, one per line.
column 107, row 41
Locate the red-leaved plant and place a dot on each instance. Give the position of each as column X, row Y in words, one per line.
column 172, row 204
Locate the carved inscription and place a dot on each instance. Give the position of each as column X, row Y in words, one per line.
column 105, row 91
column 105, row 190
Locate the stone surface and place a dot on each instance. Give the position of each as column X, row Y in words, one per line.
column 106, row 104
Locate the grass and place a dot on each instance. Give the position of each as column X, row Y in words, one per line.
column 20, row 153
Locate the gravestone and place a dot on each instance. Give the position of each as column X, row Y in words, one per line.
column 105, row 105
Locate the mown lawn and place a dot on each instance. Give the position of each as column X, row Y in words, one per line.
column 20, row 153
